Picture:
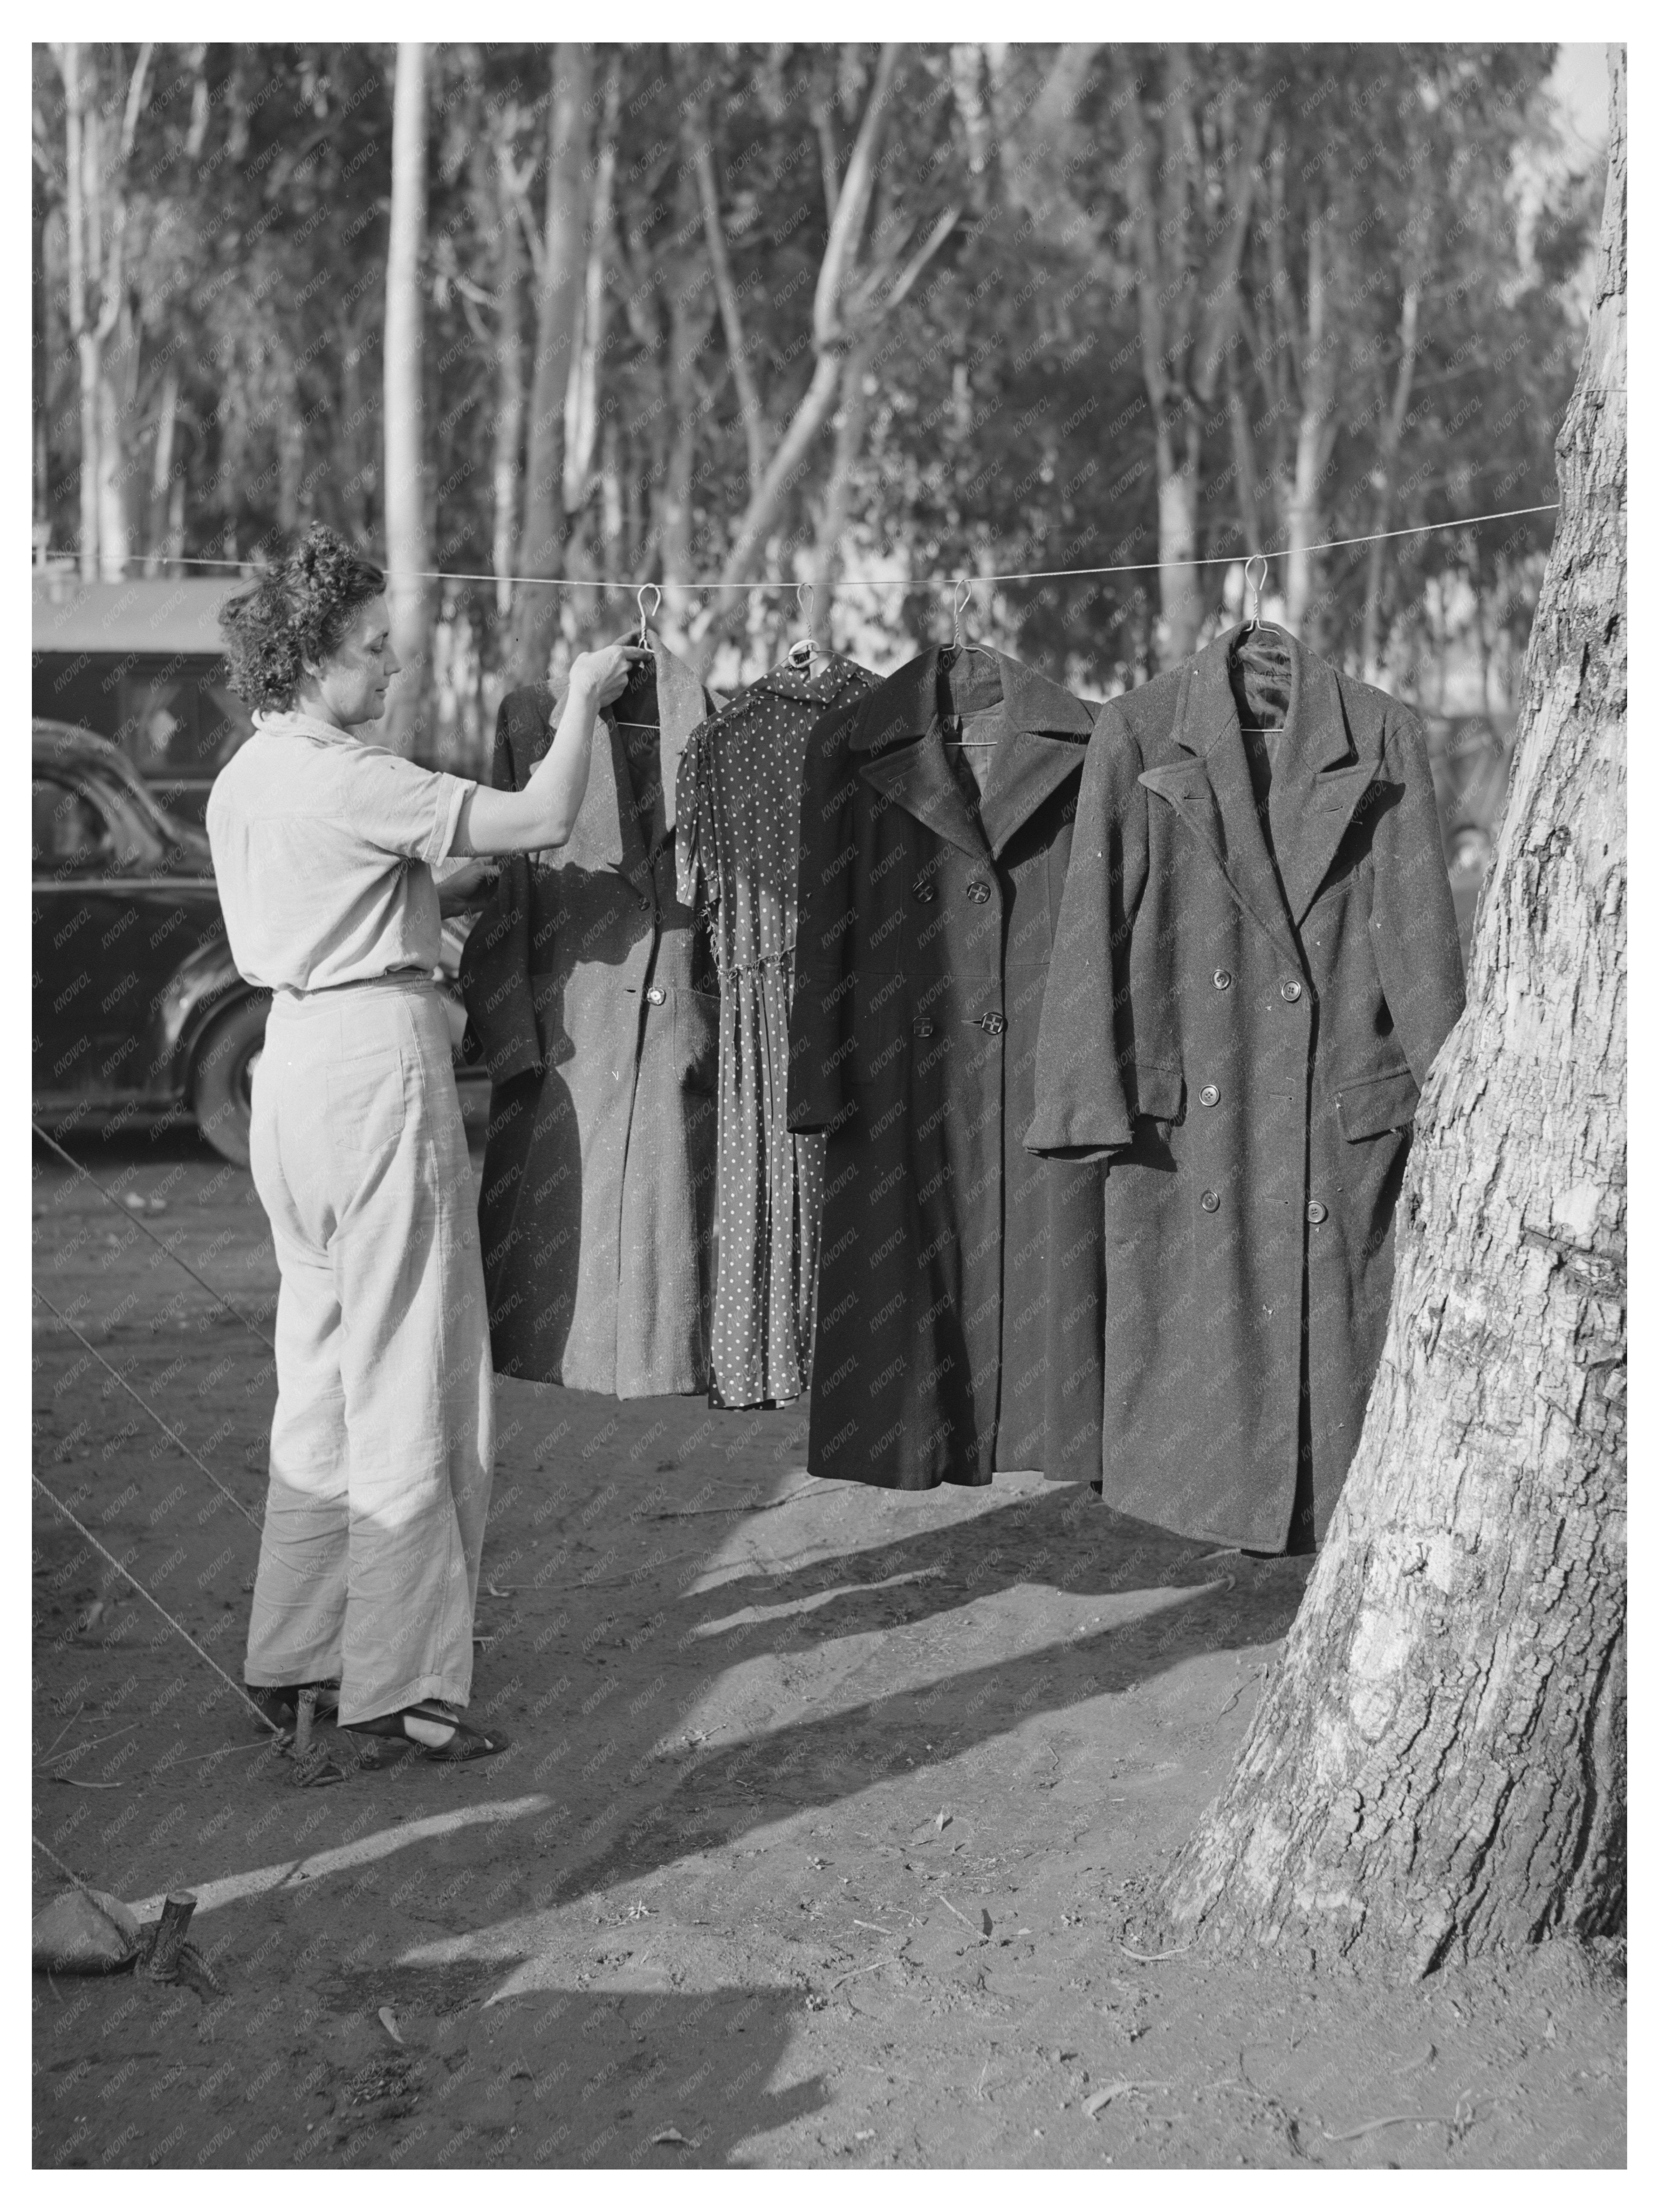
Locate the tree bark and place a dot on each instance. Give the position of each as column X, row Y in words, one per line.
column 1187, row 301
column 408, row 591
column 507, row 434
column 1393, row 428
column 830, row 336
column 161, row 476
column 749, row 410
column 1438, row 1768
column 541, row 541
column 1313, row 437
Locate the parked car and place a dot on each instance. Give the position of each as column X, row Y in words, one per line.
column 138, row 1009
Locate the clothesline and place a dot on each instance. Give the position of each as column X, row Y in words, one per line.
column 918, row 583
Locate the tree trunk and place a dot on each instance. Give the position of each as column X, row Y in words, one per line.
column 1438, row 1767
column 1188, row 303
column 850, row 427
column 80, row 166
column 581, row 401
column 160, row 475
column 408, row 591
column 558, row 309
column 1394, row 424
column 508, row 430
column 750, row 411
column 828, row 336
column 1311, row 444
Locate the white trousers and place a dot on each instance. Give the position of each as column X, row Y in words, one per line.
column 383, row 1436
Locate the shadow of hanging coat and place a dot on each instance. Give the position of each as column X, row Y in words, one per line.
column 588, row 1002
column 1245, row 1030
column 960, row 1294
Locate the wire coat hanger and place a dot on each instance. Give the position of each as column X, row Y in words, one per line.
column 1254, row 625
column 961, row 598
column 804, row 649
column 638, row 670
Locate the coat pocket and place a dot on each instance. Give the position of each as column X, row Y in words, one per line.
column 696, row 1041
column 1378, row 1105
column 1160, row 1093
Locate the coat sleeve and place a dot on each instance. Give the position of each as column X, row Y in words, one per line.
column 1084, row 1064
column 820, row 1002
column 696, row 864
column 1413, row 923
column 500, row 1010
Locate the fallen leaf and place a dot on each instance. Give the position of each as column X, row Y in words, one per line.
column 864, row 2135
column 675, row 2139
column 941, row 1821
column 984, row 1921
column 1102, row 2098
column 388, row 2019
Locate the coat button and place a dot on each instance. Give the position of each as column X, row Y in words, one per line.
column 1224, row 981
column 924, row 1027
column 644, row 904
column 979, row 891
column 993, row 1024
column 1316, row 1213
column 656, row 994
column 1290, row 991
column 922, row 890
column 1209, row 1201
column 1209, row 1096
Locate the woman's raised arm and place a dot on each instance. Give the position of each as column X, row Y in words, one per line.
column 543, row 813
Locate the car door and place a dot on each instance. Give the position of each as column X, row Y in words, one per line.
column 74, row 851
column 115, row 914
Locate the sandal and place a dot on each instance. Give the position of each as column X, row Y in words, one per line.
column 431, row 1731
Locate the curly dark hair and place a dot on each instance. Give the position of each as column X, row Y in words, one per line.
column 298, row 611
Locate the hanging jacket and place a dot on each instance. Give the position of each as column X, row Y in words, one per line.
column 592, row 1002
column 738, row 845
column 960, row 1295
column 1243, row 1005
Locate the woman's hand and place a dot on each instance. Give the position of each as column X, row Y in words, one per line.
column 540, row 817
column 604, row 675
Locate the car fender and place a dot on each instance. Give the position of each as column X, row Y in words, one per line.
column 204, row 983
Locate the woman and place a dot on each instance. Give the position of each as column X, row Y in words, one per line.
column 325, row 845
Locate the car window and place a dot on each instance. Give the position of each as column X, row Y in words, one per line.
column 71, row 833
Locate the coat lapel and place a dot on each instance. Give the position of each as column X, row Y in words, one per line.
column 899, row 734
column 1318, row 783
column 916, row 777
column 902, row 753
column 1045, row 743
column 1211, row 792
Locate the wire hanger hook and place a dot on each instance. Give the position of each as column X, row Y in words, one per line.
column 639, row 600
column 960, row 600
column 1256, row 584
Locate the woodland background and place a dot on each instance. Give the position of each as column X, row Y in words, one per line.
column 707, row 315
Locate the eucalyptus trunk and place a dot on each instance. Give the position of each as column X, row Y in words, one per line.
column 409, row 595
column 1438, row 1767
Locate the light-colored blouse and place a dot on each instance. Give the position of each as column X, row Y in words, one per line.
column 324, row 848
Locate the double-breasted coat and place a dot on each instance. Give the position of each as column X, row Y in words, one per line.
column 1240, row 1021
column 960, row 1291
column 590, row 999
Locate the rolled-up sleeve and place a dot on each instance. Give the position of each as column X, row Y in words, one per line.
column 399, row 807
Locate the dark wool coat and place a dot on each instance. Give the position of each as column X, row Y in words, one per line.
column 585, row 1002
column 1249, row 1055
column 960, row 1288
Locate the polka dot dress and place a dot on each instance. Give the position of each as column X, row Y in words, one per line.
column 737, row 809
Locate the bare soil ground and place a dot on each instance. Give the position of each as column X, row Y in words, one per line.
column 817, row 1844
